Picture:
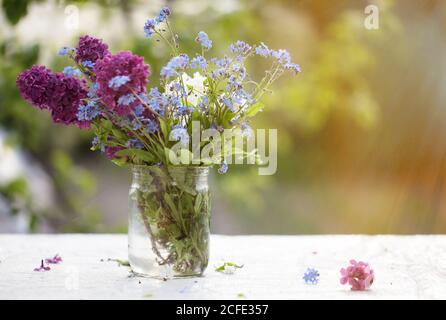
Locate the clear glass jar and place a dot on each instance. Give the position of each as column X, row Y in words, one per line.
column 169, row 221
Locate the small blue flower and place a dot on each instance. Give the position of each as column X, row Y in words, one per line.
column 228, row 103
column 282, row 56
column 149, row 27
column 72, row 72
column 139, row 109
column 118, row 81
column 240, row 47
column 198, row 62
column 246, row 130
column 179, row 133
column 93, row 90
column 184, row 110
column 65, row 50
column 136, row 125
column 95, row 142
column 134, row 143
column 222, row 63
column 164, row 13
column 152, row 126
column 167, row 72
column 223, row 167
column 204, row 40
column 180, row 62
column 203, row 104
column 311, row 276
column 263, row 50
column 127, row 99
column 88, row 64
column 88, row 111
column 293, row 67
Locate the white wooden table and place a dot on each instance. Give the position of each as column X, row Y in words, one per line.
column 406, row 267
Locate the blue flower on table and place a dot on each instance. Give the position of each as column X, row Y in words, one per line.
column 311, row 276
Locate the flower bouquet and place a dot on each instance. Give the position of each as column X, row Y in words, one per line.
column 150, row 130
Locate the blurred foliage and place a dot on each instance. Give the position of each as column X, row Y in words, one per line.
column 360, row 130
column 33, row 131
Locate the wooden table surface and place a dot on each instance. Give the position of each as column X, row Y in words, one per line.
column 406, row 267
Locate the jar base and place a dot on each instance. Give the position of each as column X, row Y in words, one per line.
column 166, row 277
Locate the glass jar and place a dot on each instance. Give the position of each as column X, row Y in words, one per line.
column 169, row 221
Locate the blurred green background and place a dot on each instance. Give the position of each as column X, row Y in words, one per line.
column 360, row 132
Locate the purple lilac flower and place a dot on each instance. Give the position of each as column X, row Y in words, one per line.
column 122, row 64
column 67, row 94
column 90, row 49
column 54, row 260
column 72, row 72
column 198, row 62
column 33, row 84
column 111, row 151
column 42, row 267
column 311, row 276
column 204, row 40
column 57, row 92
column 223, row 167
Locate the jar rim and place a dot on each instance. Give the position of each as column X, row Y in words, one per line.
column 142, row 166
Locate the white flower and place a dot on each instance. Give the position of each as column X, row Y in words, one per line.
column 194, row 87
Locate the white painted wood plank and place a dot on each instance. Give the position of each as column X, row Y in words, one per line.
column 406, row 267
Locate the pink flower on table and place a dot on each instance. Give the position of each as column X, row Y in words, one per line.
column 42, row 267
column 359, row 275
column 54, row 260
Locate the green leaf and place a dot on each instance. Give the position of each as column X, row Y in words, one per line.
column 120, row 262
column 251, row 111
column 15, row 10
column 139, row 154
column 164, row 128
column 197, row 205
column 171, row 205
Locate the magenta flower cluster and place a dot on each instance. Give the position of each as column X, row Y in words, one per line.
column 63, row 94
column 59, row 93
column 89, row 50
column 33, row 85
column 121, row 99
column 358, row 275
